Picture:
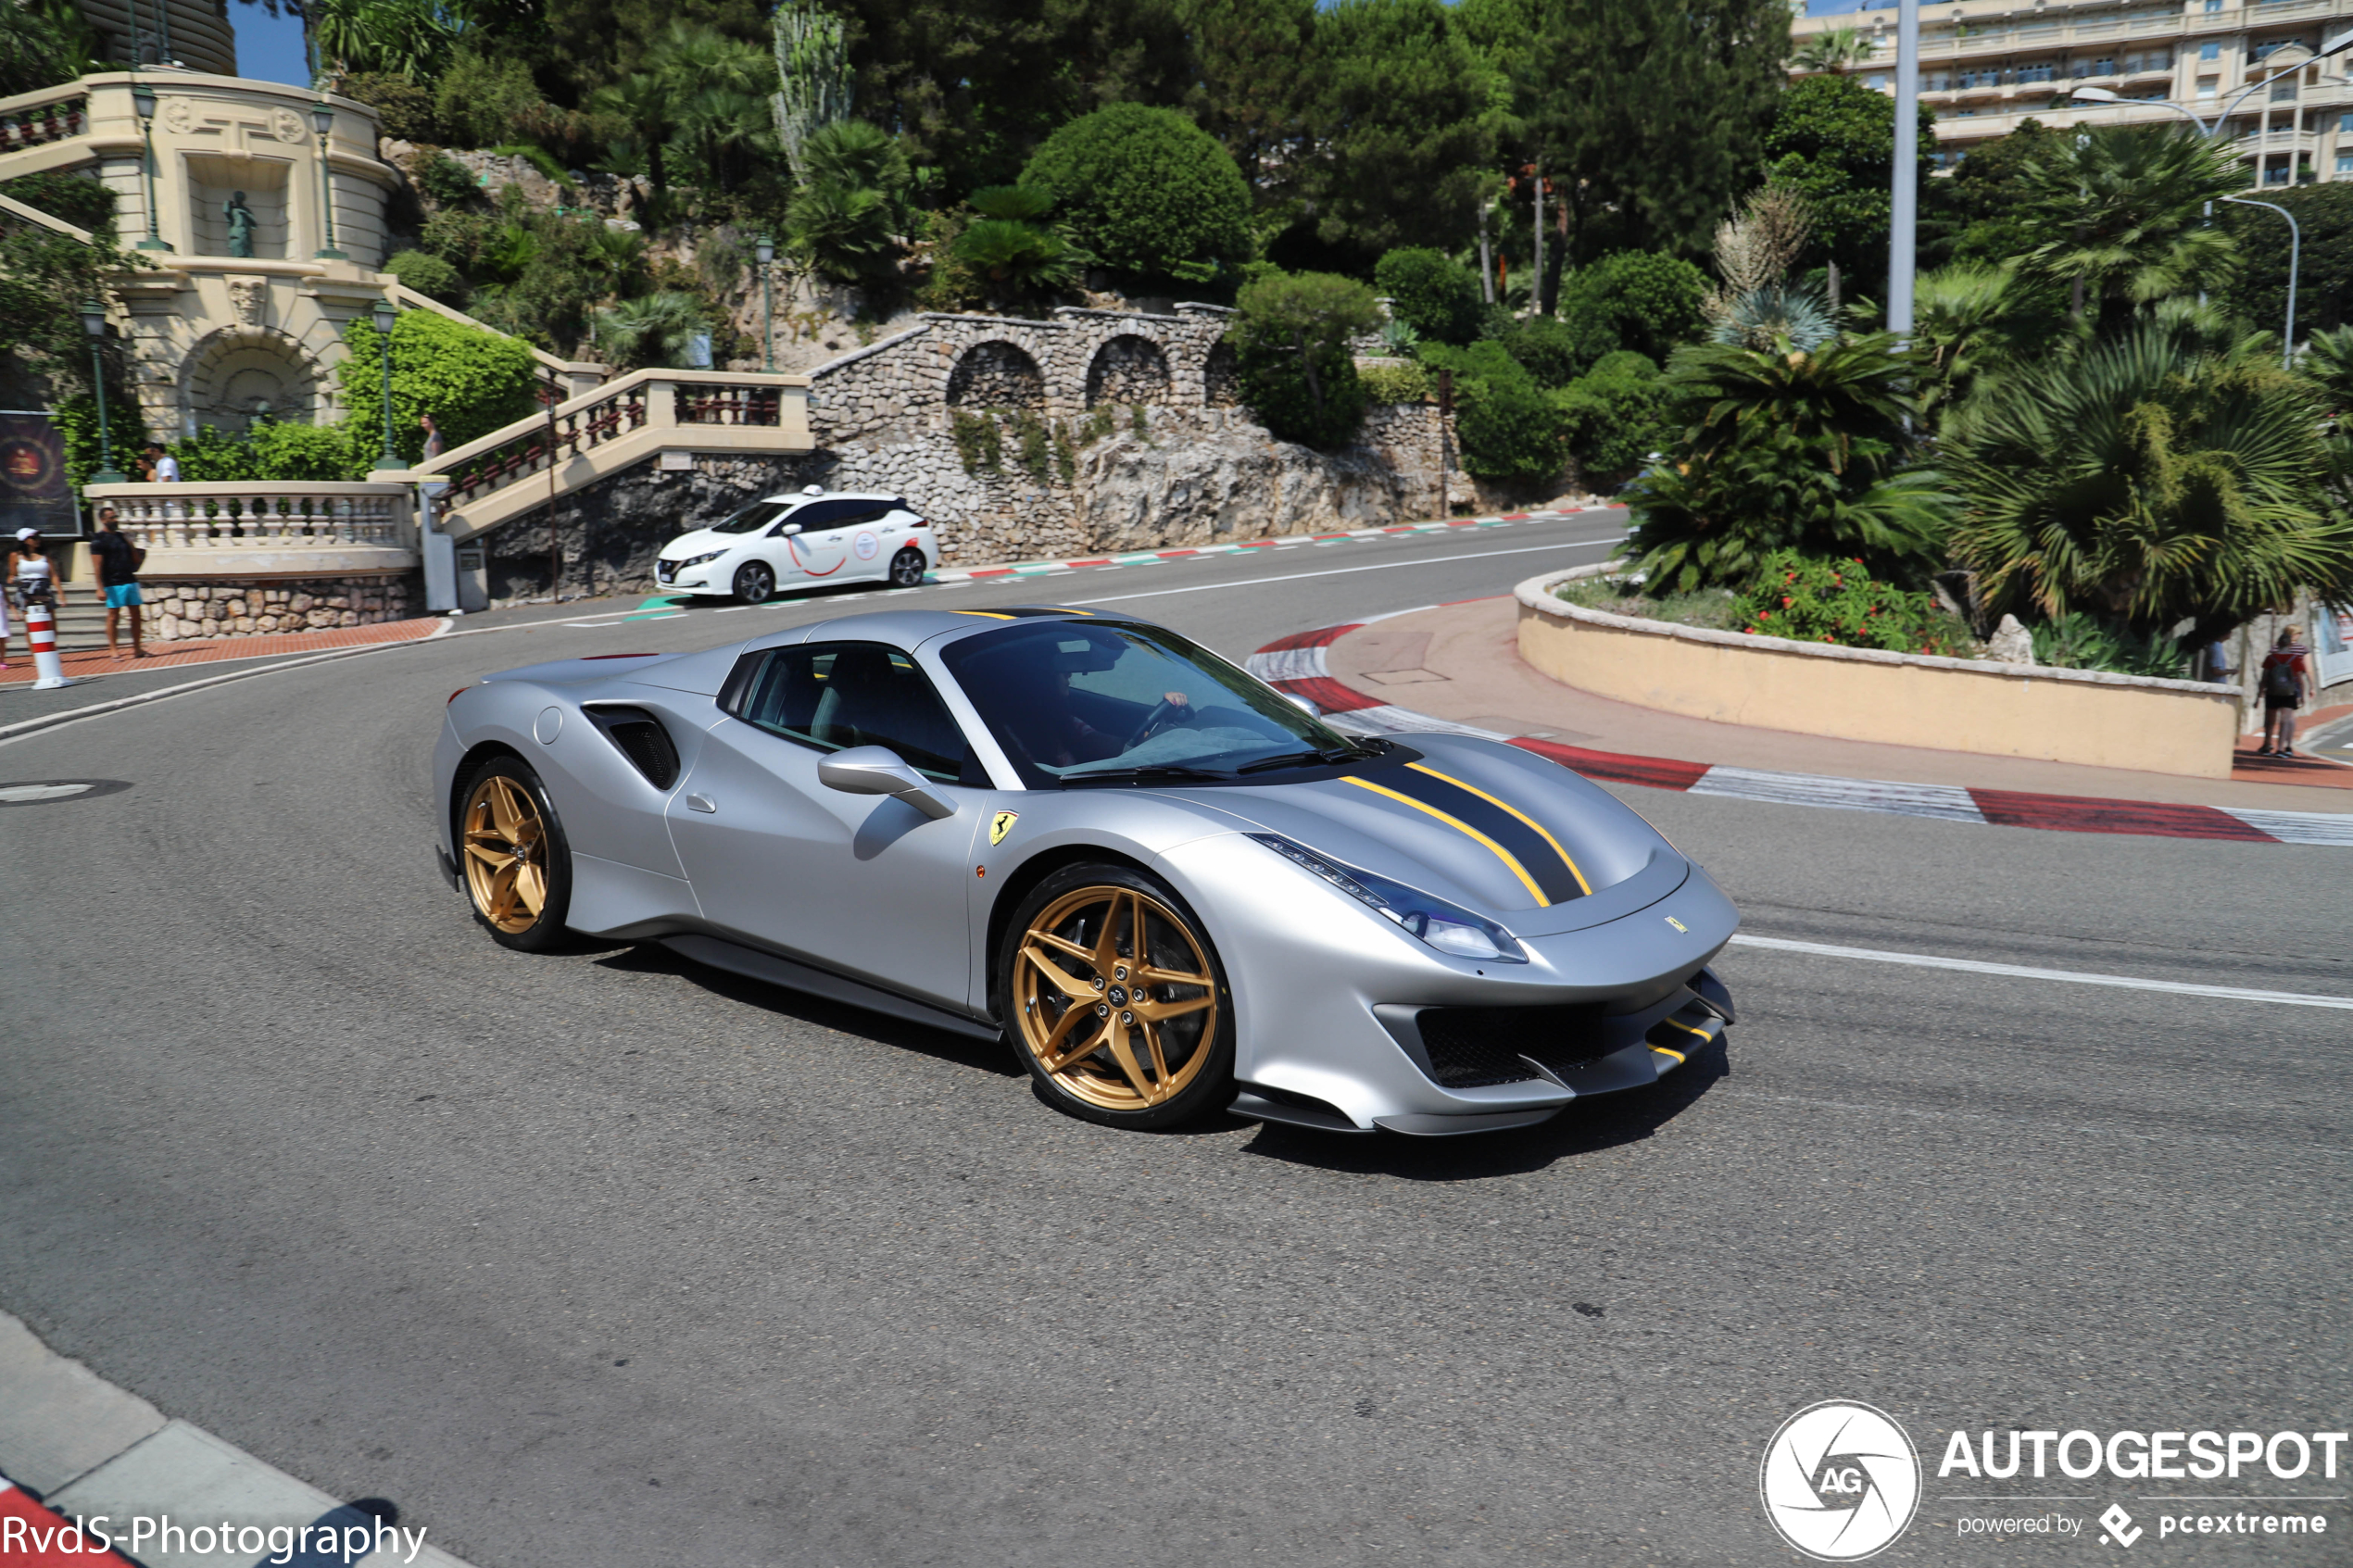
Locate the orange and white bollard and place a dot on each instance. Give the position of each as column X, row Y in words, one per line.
column 41, row 631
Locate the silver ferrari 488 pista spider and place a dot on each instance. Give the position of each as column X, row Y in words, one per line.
column 1172, row 888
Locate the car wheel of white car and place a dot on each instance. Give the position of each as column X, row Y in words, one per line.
column 907, row 568
column 755, row 583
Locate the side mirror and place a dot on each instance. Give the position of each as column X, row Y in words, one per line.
column 1305, row 705
column 877, row 770
column 788, row 530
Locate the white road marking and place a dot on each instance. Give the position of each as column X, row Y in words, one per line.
column 2021, row 971
column 14, row 794
column 1343, row 570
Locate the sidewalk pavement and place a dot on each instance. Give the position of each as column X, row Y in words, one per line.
column 77, row 1451
column 1458, row 666
column 174, row 656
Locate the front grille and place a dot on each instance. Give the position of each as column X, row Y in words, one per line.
column 1472, row 1047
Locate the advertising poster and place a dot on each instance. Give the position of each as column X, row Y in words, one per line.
column 33, row 493
column 2333, row 642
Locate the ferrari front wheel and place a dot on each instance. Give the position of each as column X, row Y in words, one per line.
column 1115, row 1000
column 518, row 866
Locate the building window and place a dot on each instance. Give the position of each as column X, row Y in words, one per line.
column 2275, row 176
column 2206, row 86
column 2344, row 163
column 2345, row 123
column 2045, row 73
column 2210, row 51
column 2284, row 92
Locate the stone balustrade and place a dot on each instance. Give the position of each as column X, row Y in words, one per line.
column 266, row 529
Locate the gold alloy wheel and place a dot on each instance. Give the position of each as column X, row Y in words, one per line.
column 1115, row 997
column 506, row 854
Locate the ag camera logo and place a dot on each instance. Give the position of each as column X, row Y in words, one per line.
column 1840, row 1481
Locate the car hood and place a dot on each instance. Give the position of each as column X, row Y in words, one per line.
column 1483, row 824
column 701, row 541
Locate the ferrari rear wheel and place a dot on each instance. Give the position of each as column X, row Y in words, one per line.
column 755, row 583
column 907, row 568
column 1115, row 1000
column 518, row 866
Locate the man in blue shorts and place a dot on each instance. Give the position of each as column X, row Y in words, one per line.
column 118, row 561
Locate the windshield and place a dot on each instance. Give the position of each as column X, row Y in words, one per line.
column 1073, row 703
column 752, row 518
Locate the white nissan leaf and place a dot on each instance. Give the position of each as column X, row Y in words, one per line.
column 818, row 536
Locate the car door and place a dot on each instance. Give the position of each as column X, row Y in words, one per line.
column 816, row 553
column 865, row 886
column 863, row 533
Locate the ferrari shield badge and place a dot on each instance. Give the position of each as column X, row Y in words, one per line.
column 999, row 825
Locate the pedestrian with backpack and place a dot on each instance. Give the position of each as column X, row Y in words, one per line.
column 2284, row 670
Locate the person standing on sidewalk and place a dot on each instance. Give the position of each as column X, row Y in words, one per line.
column 163, row 465
column 31, row 579
column 2285, row 669
column 118, row 561
column 432, row 437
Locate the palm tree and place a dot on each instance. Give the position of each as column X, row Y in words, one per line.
column 2150, row 481
column 2119, row 213
column 1792, row 449
column 643, row 100
column 1834, row 51
column 718, row 89
column 654, row 329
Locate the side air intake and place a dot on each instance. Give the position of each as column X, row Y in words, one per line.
column 641, row 739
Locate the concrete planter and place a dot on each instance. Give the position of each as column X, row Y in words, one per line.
column 1862, row 694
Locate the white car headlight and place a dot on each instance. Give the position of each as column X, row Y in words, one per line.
column 1436, row 921
column 697, row 561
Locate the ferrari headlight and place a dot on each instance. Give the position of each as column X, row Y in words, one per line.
column 1436, row 921
column 698, row 560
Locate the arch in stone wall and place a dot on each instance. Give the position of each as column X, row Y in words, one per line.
column 997, row 374
column 1221, row 377
column 243, row 372
column 1128, row 368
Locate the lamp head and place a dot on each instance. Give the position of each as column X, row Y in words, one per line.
column 2094, row 96
column 94, row 318
column 145, row 97
column 386, row 317
column 765, row 248
column 323, row 117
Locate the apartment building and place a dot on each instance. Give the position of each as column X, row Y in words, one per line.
column 1987, row 65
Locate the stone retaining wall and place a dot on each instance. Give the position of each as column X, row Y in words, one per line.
column 178, row 611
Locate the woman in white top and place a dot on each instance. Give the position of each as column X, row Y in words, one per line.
column 31, row 576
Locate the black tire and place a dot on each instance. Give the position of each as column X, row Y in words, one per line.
column 907, row 568
column 1190, row 1044
column 502, row 863
column 755, row 583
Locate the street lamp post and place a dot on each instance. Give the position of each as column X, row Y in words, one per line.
column 323, row 117
column 2295, row 263
column 386, row 317
column 94, row 322
column 767, row 253
column 1904, row 220
column 145, row 97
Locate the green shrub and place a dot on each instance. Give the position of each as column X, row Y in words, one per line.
column 1290, row 334
column 1614, row 417
column 2077, row 641
column 1430, row 293
column 1147, row 193
column 1556, row 350
column 539, row 158
column 481, row 103
column 1506, row 424
column 404, row 111
column 1813, row 599
column 445, row 181
column 1396, row 383
column 1715, row 609
column 428, row 275
column 469, row 381
column 979, row 442
column 1651, row 303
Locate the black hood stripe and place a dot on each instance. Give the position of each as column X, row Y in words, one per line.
column 1533, row 855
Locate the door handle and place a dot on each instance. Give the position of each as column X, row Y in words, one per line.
column 701, row 803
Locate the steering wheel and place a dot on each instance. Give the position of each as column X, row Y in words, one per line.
column 1163, row 712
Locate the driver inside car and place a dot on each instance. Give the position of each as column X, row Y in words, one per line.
column 1053, row 731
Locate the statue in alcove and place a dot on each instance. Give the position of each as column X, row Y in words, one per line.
column 240, row 225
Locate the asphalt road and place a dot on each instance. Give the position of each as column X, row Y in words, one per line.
column 608, row 1259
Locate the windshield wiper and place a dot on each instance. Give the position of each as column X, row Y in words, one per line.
column 1138, row 775
column 1305, row 758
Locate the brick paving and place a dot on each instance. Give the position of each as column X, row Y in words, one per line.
column 175, row 655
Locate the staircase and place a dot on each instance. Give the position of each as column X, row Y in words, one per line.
column 591, row 437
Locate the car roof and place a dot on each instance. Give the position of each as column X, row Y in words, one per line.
column 912, row 627
column 796, row 496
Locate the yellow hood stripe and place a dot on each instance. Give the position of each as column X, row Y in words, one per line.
column 1509, row 860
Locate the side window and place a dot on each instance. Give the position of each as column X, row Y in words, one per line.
column 812, row 515
column 835, row 695
column 862, row 514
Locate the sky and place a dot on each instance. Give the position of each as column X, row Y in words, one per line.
column 269, row 48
